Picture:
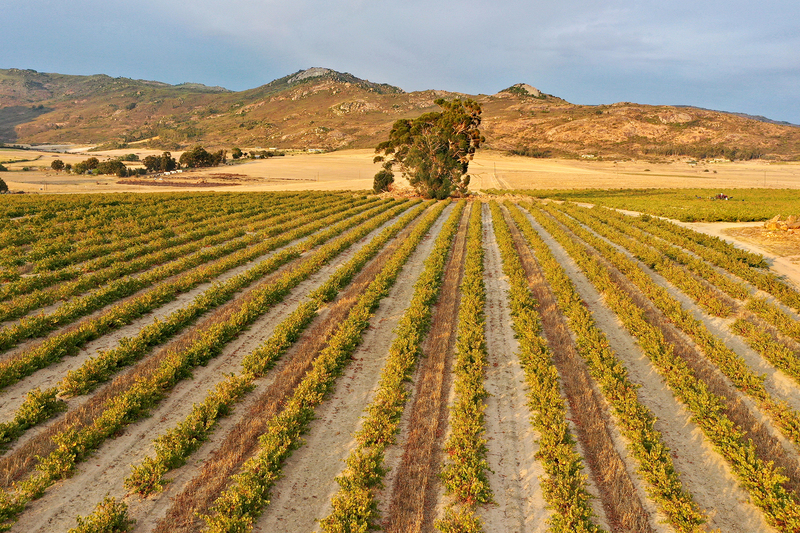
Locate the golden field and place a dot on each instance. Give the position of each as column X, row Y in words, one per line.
column 354, row 169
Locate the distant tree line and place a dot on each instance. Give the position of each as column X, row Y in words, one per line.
column 163, row 163
column 196, row 157
column 95, row 166
column 236, row 153
column 532, row 151
column 705, row 151
column 199, row 157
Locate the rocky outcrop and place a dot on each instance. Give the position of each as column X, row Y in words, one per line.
column 790, row 224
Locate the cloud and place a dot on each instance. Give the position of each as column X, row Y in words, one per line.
column 586, row 50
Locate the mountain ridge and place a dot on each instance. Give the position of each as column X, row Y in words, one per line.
column 322, row 108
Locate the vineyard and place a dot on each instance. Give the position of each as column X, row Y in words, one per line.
column 335, row 362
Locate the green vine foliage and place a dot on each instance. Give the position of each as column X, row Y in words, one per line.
column 354, row 505
column 238, row 507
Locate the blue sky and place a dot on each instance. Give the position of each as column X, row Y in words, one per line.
column 734, row 55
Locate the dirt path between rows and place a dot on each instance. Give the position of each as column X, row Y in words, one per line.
column 84, row 409
column 510, row 439
column 777, row 383
column 589, row 413
column 111, row 464
column 771, row 445
column 703, row 472
column 417, row 487
column 303, row 495
column 242, row 440
column 783, row 265
column 13, row 396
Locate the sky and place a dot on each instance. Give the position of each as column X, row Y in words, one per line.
column 733, row 55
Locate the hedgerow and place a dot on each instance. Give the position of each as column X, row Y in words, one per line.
column 786, row 419
column 133, row 260
column 75, row 444
column 43, row 323
column 705, row 296
column 761, row 479
column 625, row 224
column 174, row 446
column 68, row 343
column 177, row 232
column 724, row 256
column 110, row 516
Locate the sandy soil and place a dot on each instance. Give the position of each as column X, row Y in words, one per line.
column 154, row 509
column 778, row 385
column 303, row 495
column 588, row 413
column 105, row 472
column 393, row 457
column 780, row 243
column 783, row 258
column 417, row 493
column 776, row 382
column 511, row 441
column 354, row 169
column 703, row 471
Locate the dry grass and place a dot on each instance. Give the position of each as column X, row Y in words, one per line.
column 354, row 170
column 414, row 493
column 780, row 243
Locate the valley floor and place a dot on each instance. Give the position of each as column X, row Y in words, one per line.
column 354, row 169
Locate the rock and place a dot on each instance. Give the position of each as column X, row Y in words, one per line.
column 772, row 224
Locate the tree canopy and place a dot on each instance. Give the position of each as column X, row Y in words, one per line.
column 84, row 166
column 200, row 157
column 163, row 163
column 433, row 150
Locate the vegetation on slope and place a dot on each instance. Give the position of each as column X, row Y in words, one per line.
column 321, row 108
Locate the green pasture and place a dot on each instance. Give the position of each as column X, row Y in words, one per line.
column 687, row 205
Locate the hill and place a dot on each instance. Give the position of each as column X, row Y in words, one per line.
column 322, row 108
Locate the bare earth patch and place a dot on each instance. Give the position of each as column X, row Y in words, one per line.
column 780, row 243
